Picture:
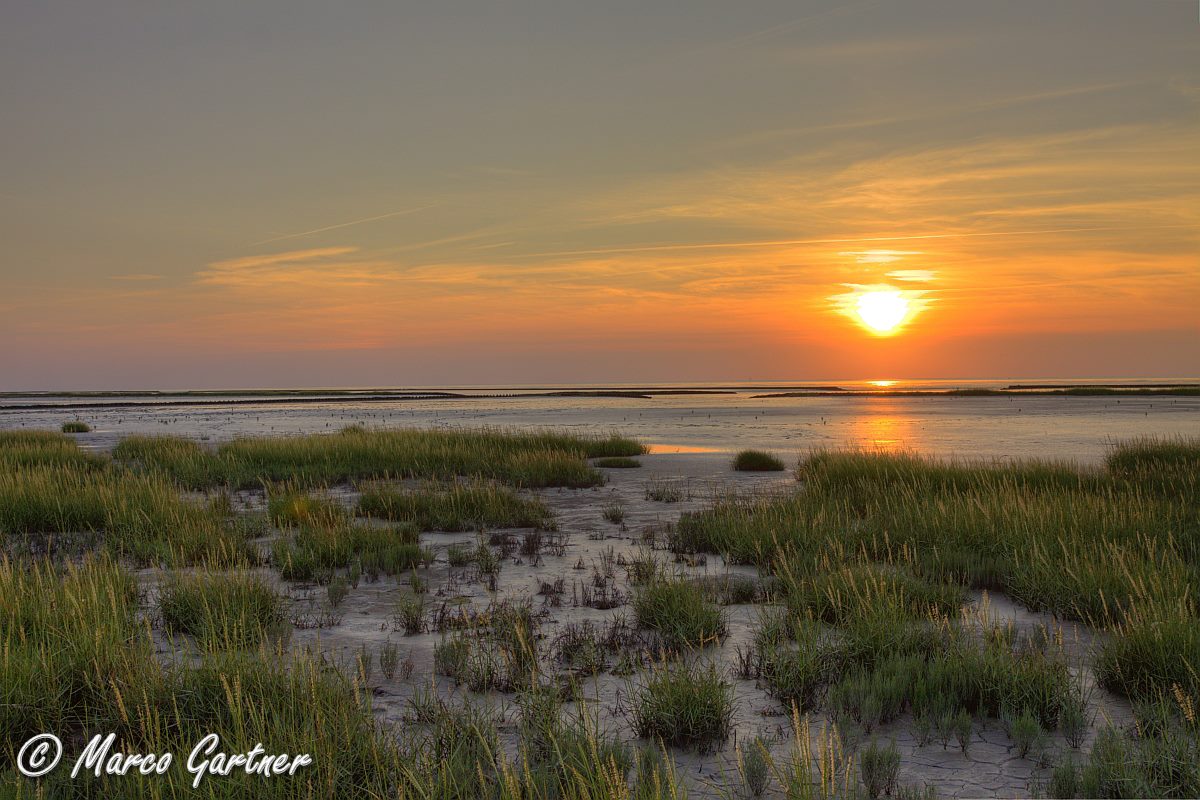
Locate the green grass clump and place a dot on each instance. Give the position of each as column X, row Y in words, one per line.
column 222, row 610
column 315, row 552
column 76, row 426
column 757, row 461
column 617, row 462
column 684, row 705
column 1166, row 764
column 524, row 459
column 879, row 767
column 680, row 612
column 456, row 507
column 611, row 446
column 1151, row 655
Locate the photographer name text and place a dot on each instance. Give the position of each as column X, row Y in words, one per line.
column 42, row 753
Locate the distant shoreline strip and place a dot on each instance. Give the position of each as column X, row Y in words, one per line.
column 1117, row 390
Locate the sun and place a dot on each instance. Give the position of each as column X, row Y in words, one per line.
column 882, row 311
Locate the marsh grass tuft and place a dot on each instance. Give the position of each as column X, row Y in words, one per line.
column 315, row 552
column 455, row 506
column 879, row 767
column 76, row 426
column 225, row 611
column 684, row 705
column 757, row 461
column 680, row 612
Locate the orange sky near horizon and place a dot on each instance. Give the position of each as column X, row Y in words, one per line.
column 1039, row 224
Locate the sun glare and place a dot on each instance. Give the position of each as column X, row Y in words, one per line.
column 882, row 311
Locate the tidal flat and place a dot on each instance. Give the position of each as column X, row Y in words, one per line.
column 493, row 613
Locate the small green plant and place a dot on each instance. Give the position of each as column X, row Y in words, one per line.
column 487, row 561
column 614, row 513
column 76, row 426
column 922, row 727
column 389, row 660
column 410, row 613
column 879, row 767
column 458, row 555
column 644, row 567
column 314, row 552
column 1064, row 781
column 757, row 461
column 540, row 726
column 754, row 764
column 337, row 590
column 963, row 728
column 664, row 492
column 365, row 663
column 451, row 656
column 1026, row 733
column 684, row 705
column 417, row 584
column 794, row 673
column 945, row 726
column 1073, row 721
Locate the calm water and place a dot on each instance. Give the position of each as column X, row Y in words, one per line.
column 1076, row 428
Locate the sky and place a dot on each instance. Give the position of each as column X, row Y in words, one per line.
column 271, row 194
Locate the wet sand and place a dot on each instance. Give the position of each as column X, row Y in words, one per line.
column 592, row 545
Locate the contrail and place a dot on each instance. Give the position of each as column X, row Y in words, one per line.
column 344, row 225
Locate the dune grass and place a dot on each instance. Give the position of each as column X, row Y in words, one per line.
column 529, row 460
column 225, row 611
column 455, row 506
column 757, row 461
